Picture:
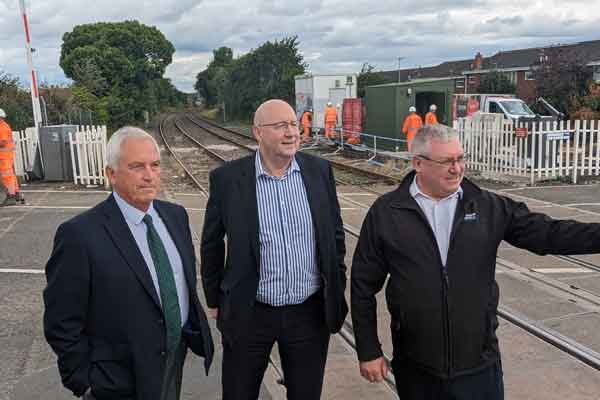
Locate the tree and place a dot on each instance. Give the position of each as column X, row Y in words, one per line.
column 588, row 106
column 211, row 82
column 496, row 82
column 58, row 103
column 123, row 52
column 88, row 74
column 367, row 77
column 264, row 73
column 16, row 102
column 562, row 78
column 118, row 69
column 241, row 84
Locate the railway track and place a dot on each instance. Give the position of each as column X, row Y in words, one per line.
column 234, row 136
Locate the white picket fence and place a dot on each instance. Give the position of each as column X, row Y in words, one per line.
column 88, row 154
column 548, row 151
column 26, row 143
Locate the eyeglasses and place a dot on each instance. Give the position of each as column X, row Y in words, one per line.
column 282, row 125
column 461, row 160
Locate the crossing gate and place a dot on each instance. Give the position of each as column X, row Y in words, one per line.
column 538, row 151
column 26, row 143
column 88, row 155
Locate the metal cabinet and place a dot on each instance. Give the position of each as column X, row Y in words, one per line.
column 56, row 153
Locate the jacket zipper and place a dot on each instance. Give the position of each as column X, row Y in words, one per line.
column 445, row 291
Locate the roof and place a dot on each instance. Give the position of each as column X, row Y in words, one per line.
column 310, row 75
column 418, row 81
column 443, row 70
column 588, row 52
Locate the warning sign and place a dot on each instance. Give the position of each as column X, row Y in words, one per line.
column 521, row 132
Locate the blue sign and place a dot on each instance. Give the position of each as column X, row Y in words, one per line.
column 559, row 135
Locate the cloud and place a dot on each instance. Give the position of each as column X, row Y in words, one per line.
column 334, row 35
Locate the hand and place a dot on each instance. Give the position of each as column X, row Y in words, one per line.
column 213, row 313
column 375, row 370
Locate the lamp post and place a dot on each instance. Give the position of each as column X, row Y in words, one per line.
column 399, row 60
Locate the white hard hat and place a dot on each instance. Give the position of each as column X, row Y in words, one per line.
column 412, row 109
column 2, row 113
column 329, row 103
column 338, row 105
column 433, row 107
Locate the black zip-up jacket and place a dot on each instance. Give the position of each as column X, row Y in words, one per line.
column 444, row 320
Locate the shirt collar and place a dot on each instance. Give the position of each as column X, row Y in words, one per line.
column 260, row 170
column 132, row 214
column 416, row 191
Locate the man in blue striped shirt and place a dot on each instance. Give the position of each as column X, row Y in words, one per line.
column 281, row 277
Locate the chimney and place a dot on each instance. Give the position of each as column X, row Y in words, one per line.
column 478, row 62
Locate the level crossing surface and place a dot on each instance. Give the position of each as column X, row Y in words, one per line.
column 532, row 369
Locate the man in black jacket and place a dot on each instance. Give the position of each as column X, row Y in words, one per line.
column 284, row 276
column 436, row 237
column 121, row 305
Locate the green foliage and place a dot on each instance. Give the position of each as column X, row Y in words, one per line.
column 118, row 70
column 368, row 77
column 496, row 82
column 87, row 74
column 264, row 73
column 16, row 102
column 58, row 101
column 587, row 106
column 123, row 52
column 210, row 83
column 562, row 79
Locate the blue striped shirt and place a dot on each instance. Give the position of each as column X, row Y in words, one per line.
column 288, row 264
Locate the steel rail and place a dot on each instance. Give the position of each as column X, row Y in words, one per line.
column 172, row 152
column 337, row 164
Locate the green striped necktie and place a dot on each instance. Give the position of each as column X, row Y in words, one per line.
column 166, row 283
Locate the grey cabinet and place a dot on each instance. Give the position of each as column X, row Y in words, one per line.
column 56, row 153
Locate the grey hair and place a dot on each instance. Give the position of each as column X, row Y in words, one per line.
column 113, row 147
column 427, row 133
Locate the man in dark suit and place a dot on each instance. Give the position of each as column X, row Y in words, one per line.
column 283, row 277
column 121, row 306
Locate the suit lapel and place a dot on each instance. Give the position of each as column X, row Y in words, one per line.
column 123, row 239
column 177, row 235
column 247, row 186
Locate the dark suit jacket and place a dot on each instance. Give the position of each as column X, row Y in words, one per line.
column 102, row 313
column 230, row 283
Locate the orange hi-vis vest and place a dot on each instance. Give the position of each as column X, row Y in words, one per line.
column 411, row 125
column 306, row 119
column 7, row 159
column 330, row 115
column 6, row 150
column 430, row 118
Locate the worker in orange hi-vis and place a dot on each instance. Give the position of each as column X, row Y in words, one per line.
column 306, row 122
column 7, row 159
column 411, row 125
column 430, row 117
column 330, row 121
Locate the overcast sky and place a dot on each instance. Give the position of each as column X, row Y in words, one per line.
column 334, row 35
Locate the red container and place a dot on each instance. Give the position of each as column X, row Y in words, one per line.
column 352, row 115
